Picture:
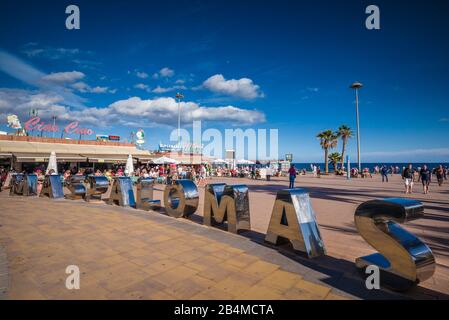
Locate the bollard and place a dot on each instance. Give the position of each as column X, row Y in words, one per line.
column 403, row 259
column 293, row 219
column 52, row 187
column 122, row 192
column 227, row 203
column 76, row 186
column 181, row 198
column 144, row 195
column 97, row 185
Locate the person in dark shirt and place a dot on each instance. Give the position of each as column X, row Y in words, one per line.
column 426, row 176
column 407, row 175
column 439, row 172
column 384, row 173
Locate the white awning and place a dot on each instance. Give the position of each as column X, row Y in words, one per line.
column 164, row 160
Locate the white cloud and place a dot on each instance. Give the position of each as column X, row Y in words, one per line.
column 142, row 75
column 85, row 88
column 142, row 86
column 167, row 72
column 444, row 120
column 160, row 89
column 98, row 89
column 64, row 77
column 164, row 110
column 164, row 73
column 243, row 88
column 33, row 50
column 23, row 71
column 147, row 112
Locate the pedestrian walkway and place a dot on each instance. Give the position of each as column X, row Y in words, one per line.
column 132, row 254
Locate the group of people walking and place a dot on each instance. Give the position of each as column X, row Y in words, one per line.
column 424, row 174
column 410, row 175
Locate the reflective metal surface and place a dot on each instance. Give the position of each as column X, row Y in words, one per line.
column 17, row 184
column 30, row 185
column 403, row 259
column 23, row 185
column 144, row 194
column 97, row 185
column 122, row 192
column 181, row 199
column 293, row 219
column 76, row 186
column 52, row 187
column 227, row 203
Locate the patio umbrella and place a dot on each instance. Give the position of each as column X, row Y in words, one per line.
column 129, row 168
column 52, row 163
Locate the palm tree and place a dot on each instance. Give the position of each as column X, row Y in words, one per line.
column 345, row 133
column 333, row 158
column 328, row 140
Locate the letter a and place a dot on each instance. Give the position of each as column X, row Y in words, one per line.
column 373, row 20
column 73, row 280
column 373, row 280
column 72, row 21
column 293, row 219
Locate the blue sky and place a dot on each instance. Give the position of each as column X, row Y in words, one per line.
column 250, row 64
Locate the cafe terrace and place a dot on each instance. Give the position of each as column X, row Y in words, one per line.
column 20, row 150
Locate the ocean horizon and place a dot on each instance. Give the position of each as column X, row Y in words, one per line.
column 371, row 165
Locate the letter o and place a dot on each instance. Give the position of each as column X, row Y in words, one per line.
column 181, row 199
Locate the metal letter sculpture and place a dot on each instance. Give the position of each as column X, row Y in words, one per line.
column 97, row 185
column 403, row 259
column 77, row 188
column 30, row 185
column 122, row 192
column 144, row 195
column 227, row 203
column 181, row 198
column 52, row 187
column 293, row 219
column 17, row 182
column 23, row 185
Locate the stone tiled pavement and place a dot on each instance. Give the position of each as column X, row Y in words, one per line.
column 128, row 253
column 4, row 276
column 334, row 200
column 132, row 254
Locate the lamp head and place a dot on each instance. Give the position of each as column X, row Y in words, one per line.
column 356, row 85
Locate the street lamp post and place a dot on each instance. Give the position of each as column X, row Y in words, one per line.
column 356, row 86
column 179, row 96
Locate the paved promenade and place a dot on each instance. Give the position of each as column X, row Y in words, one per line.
column 132, row 254
column 129, row 254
